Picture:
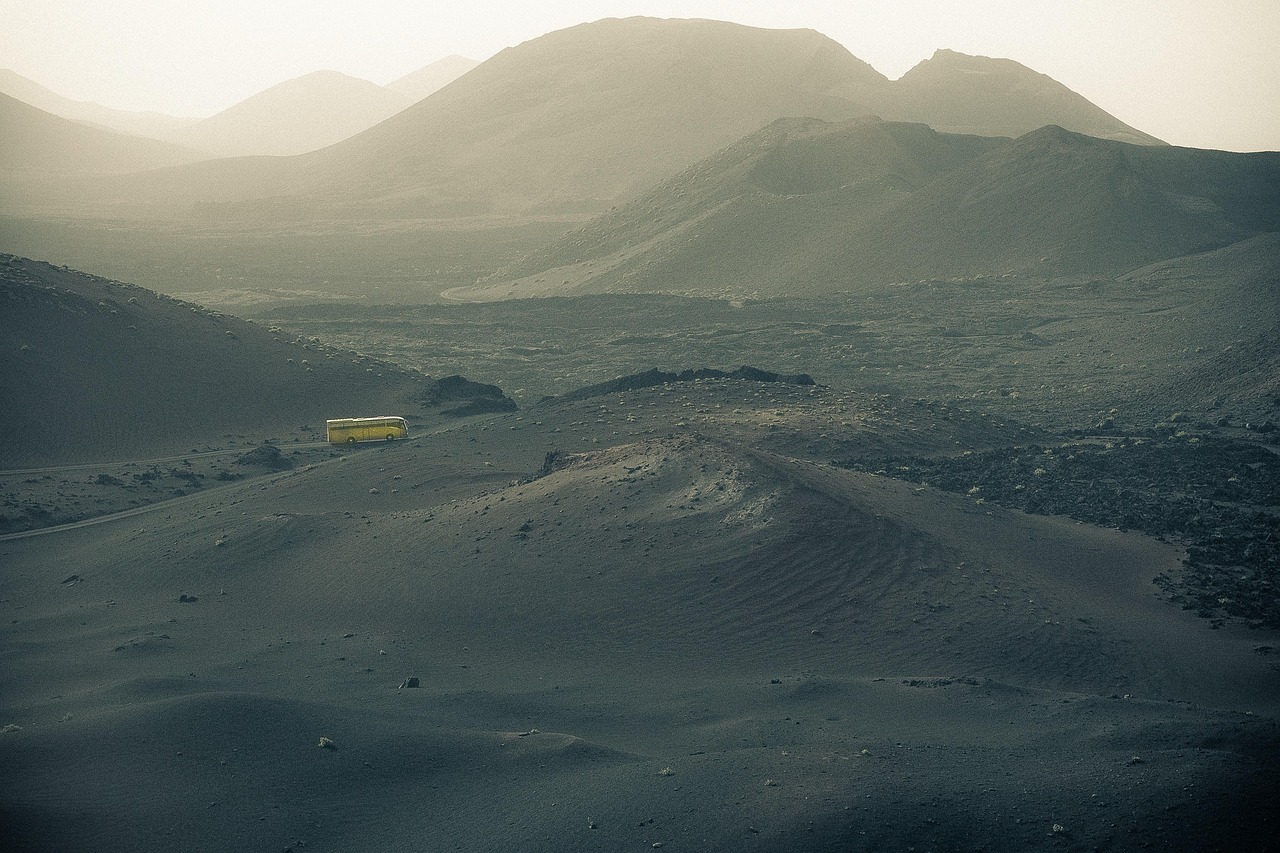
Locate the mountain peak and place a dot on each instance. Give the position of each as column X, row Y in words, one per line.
column 959, row 93
column 945, row 56
column 297, row 115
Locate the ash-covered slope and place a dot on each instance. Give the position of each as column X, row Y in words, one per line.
column 749, row 218
column 429, row 79
column 559, row 661
column 806, row 207
column 36, row 142
column 152, row 125
column 1060, row 203
column 96, row 370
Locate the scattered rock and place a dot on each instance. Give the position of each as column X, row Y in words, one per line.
column 476, row 398
column 654, row 377
column 326, row 743
column 409, row 684
column 188, row 599
column 266, row 456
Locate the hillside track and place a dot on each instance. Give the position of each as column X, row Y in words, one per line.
column 204, row 454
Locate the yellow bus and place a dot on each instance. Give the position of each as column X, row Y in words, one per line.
column 351, row 430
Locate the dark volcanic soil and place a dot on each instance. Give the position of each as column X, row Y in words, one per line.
column 687, row 631
column 1218, row 497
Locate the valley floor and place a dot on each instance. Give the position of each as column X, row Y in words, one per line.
column 650, row 619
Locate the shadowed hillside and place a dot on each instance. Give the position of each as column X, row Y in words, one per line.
column 1060, row 203
column 749, row 217
column 92, row 369
column 805, row 207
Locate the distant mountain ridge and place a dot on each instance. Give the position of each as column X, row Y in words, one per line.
column 35, row 141
column 291, row 117
column 582, row 118
column 806, row 207
column 152, row 125
column 296, row 116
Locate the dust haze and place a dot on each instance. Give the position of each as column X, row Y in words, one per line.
column 797, row 459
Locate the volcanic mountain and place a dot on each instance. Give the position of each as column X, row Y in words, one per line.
column 806, row 207
column 296, row 116
column 956, row 93
column 151, row 125
column 572, row 121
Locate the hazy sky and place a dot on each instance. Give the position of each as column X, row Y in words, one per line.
column 1193, row 72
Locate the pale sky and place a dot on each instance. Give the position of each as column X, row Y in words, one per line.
column 1204, row 73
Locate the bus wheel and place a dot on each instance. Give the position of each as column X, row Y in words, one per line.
column 391, row 438
column 351, row 439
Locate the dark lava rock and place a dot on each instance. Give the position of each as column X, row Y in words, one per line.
column 266, row 456
column 654, row 376
column 1216, row 497
column 476, row 398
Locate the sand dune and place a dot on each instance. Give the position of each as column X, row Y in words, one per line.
column 674, row 640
